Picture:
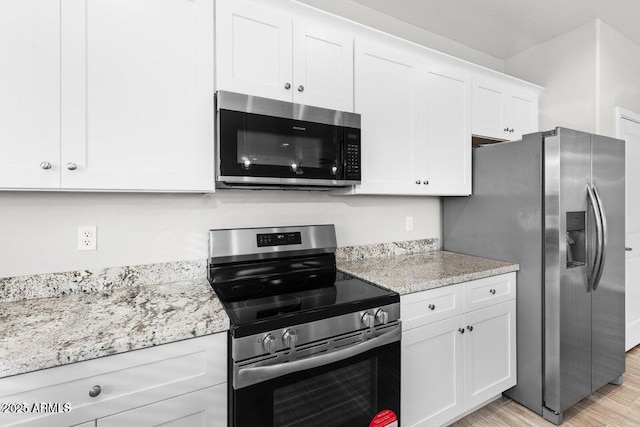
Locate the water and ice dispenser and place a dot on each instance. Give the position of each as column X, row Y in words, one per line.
column 576, row 239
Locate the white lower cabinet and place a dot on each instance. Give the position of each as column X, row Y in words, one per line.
column 453, row 365
column 432, row 373
column 190, row 375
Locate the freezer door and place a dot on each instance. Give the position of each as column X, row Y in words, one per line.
column 608, row 173
column 567, row 297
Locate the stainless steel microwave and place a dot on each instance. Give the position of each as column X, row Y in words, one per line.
column 266, row 143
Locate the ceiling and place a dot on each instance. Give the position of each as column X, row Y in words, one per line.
column 502, row 28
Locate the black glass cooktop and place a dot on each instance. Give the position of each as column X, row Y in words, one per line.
column 266, row 312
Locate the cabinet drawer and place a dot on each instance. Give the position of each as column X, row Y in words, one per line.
column 203, row 408
column 489, row 291
column 126, row 381
column 430, row 306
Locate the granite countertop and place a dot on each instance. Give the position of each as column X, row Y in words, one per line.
column 47, row 332
column 422, row 271
column 52, row 320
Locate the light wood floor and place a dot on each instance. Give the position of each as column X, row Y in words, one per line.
column 610, row 406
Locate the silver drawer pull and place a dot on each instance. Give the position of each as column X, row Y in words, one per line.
column 95, row 391
column 628, row 249
column 45, row 165
column 432, row 307
column 492, row 291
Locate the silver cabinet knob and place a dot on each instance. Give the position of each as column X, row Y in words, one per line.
column 461, row 330
column 506, row 129
column 95, row 391
column 72, row 166
column 300, row 88
column 628, row 249
column 418, row 182
column 289, row 338
column 382, row 316
column 470, row 328
column 45, row 165
column 425, row 182
column 367, row 319
column 432, row 307
column 492, row 291
column 269, row 344
column 511, row 130
column 287, row 85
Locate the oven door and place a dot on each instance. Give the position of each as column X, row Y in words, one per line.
column 355, row 386
column 259, row 149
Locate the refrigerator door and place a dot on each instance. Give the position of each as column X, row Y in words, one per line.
column 608, row 320
column 567, row 312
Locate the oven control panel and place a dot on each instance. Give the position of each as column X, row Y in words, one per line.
column 279, row 239
column 293, row 341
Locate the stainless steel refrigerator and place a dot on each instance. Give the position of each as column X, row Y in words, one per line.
column 554, row 203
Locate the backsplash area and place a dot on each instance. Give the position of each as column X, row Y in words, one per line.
column 352, row 253
column 103, row 279
column 48, row 285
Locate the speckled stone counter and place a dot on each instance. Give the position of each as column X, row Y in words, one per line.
column 47, row 332
column 419, row 272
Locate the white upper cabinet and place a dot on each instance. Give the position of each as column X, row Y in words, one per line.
column 29, row 94
column 504, row 109
column 442, row 155
column 386, row 89
column 322, row 66
column 254, row 49
column 266, row 52
column 416, row 121
column 137, row 95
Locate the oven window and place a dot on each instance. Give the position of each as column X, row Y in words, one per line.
column 345, row 396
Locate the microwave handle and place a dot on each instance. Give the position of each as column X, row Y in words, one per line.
column 249, row 376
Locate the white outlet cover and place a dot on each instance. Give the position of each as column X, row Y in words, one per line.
column 409, row 223
column 87, row 238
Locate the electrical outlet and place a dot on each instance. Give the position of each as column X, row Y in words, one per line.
column 87, row 238
column 409, row 223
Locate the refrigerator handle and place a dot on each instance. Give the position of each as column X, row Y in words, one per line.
column 603, row 239
column 593, row 269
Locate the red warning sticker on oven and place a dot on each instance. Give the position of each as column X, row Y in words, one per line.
column 384, row 418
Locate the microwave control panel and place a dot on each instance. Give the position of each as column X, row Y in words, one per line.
column 352, row 155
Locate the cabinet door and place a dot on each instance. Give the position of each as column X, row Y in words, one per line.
column 322, row 66
column 386, row 87
column 204, row 408
column 490, row 352
column 432, row 373
column 522, row 113
column 137, row 95
column 254, row 49
column 442, row 153
column 29, row 93
column 489, row 115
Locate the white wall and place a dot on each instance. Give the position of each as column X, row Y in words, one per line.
column 566, row 67
column 619, row 77
column 388, row 24
column 38, row 231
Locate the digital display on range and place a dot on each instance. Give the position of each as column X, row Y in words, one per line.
column 279, row 239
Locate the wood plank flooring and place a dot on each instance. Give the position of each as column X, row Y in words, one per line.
column 610, row 406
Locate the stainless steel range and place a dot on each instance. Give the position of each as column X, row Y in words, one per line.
column 309, row 346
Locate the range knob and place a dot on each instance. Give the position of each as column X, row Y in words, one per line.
column 269, row 344
column 382, row 316
column 289, row 338
column 367, row 319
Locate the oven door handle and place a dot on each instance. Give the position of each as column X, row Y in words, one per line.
column 249, row 376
